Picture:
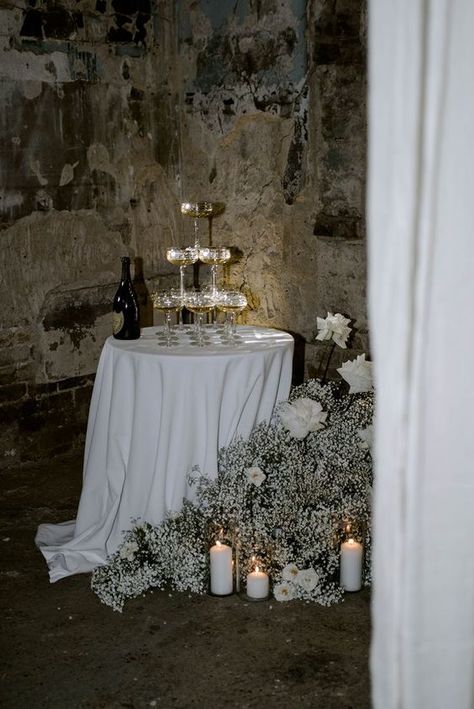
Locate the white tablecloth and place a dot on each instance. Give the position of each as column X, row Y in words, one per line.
column 156, row 412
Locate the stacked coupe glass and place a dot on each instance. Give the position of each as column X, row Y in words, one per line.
column 201, row 301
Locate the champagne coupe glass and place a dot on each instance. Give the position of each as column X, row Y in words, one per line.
column 182, row 257
column 231, row 302
column 200, row 210
column 167, row 301
column 214, row 257
column 199, row 303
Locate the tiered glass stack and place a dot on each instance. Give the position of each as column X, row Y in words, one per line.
column 200, row 301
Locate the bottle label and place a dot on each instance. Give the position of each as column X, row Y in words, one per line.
column 117, row 322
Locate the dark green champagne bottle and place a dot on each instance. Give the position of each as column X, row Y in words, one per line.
column 126, row 320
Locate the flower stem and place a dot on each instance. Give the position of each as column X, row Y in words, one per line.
column 327, row 362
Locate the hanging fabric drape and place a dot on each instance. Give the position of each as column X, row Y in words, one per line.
column 421, row 304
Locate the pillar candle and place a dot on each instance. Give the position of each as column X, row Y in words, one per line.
column 351, row 565
column 258, row 584
column 221, row 569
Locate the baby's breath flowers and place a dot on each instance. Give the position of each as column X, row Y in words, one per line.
column 255, row 475
column 128, row 550
column 283, row 490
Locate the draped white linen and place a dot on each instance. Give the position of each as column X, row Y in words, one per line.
column 421, row 300
column 156, row 412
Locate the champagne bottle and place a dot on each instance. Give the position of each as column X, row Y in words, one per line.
column 126, row 322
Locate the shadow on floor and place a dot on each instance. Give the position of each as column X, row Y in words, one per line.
column 62, row 648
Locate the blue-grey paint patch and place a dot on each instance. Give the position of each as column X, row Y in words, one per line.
column 214, row 64
column 300, row 55
column 43, row 46
column 222, row 64
column 130, row 50
column 185, row 30
column 241, row 10
column 218, row 12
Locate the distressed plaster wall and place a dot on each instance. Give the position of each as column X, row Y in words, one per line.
column 111, row 113
column 87, row 174
column 275, row 126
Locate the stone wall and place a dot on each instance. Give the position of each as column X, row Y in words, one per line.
column 274, row 125
column 113, row 112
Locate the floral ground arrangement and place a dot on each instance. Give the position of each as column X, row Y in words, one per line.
column 282, row 497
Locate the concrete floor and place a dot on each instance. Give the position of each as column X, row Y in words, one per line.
column 60, row 647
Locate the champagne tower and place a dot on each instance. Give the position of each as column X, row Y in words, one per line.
column 201, row 210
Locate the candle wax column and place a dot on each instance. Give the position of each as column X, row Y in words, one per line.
column 258, row 584
column 351, row 565
column 221, row 569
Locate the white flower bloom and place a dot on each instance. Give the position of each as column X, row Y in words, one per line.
column 334, row 327
column 302, row 416
column 128, row 551
column 283, row 591
column 358, row 374
column 177, row 548
column 290, row 572
column 308, row 579
column 366, row 436
column 255, row 475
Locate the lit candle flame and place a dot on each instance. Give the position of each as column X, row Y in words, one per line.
column 257, row 569
column 219, row 544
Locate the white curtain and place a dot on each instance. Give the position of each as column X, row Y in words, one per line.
column 421, row 302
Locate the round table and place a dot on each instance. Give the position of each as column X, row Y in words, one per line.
column 157, row 412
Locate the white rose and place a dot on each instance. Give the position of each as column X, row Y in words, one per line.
column 290, row 572
column 302, row 416
column 334, row 327
column 358, row 374
column 283, row 591
column 308, row 579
